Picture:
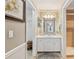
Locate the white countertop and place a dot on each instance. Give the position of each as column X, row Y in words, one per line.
column 49, row 36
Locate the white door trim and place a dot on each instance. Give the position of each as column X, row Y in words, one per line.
column 65, row 5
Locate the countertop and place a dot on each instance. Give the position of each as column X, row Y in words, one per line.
column 49, row 36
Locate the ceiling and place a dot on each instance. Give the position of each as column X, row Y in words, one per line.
column 48, row 4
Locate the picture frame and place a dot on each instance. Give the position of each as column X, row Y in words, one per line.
column 15, row 10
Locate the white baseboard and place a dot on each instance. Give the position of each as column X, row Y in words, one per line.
column 16, row 53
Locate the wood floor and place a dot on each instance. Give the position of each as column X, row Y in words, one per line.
column 70, row 57
column 70, row 27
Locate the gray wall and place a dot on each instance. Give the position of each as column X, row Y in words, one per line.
column 19, row 34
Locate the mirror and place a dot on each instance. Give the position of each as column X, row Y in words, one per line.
column 49, row 25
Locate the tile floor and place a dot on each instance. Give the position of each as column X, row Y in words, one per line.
column 48, row 55
column 44, row 55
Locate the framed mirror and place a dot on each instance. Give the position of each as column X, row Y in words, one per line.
column 49, row 25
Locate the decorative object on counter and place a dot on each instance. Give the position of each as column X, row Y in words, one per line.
column 15, row 10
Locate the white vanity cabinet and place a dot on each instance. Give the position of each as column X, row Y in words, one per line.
column 48, row 43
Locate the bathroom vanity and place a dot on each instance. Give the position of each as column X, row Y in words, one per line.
column 49, row 37
column 49, row 43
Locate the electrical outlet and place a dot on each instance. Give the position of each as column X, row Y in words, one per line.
column 11, row 34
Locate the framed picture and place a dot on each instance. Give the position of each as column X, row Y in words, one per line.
column 15, row 9
column 49, row 26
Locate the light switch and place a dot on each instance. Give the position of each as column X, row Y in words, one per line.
column 11, row 34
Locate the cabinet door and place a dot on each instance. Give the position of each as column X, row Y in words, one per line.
column 40, row 44
column 48, row 44
column 57, row 44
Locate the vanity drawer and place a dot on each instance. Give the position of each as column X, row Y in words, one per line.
column 48, row 44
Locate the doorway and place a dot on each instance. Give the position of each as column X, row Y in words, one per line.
column 70, row 30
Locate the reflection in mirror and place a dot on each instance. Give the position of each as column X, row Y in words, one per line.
column 49, row 25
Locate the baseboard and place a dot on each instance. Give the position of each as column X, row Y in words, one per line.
column 48, row 52
column 14, row 53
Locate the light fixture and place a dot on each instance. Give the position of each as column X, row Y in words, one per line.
column 49, row 16
column 52, row 16
column 45, row 16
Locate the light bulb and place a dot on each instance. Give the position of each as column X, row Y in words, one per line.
column 48, row 16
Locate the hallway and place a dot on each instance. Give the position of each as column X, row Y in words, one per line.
column 39, row 29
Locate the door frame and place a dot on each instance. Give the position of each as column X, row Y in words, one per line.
column 35, row 14
column 64, row 7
